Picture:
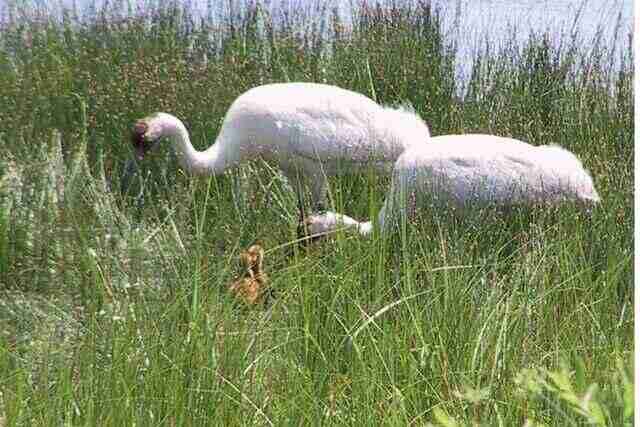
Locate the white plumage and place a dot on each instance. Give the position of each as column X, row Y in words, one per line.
column 461, row 171
column 309, row 130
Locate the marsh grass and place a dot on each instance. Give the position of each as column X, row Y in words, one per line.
column 114, row 307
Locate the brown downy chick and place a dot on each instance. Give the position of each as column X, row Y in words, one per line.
column 252, row 286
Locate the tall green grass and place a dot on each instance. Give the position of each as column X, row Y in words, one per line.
column 114, row 308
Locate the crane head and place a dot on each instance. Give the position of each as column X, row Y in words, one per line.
column 140, row 139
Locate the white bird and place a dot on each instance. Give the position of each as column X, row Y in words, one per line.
column 309, row 130
column 461, row 171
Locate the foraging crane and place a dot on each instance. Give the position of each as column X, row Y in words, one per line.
column 309, row 130
column 461, row 171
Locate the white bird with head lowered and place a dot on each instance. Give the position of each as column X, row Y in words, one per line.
column 466, row 171
column 311, row 131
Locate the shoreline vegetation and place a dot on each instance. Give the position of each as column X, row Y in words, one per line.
column 115, row 309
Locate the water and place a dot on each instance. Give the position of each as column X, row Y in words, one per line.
column 497, row 17
column 474, row 24
column 469, row 24
column 477, row 24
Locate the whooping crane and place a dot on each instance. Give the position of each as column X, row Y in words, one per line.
column 309, row 130
column 461, row 171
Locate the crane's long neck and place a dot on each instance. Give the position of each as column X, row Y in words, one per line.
column 213, row 161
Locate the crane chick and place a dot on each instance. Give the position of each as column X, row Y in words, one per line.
column 252, row 286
